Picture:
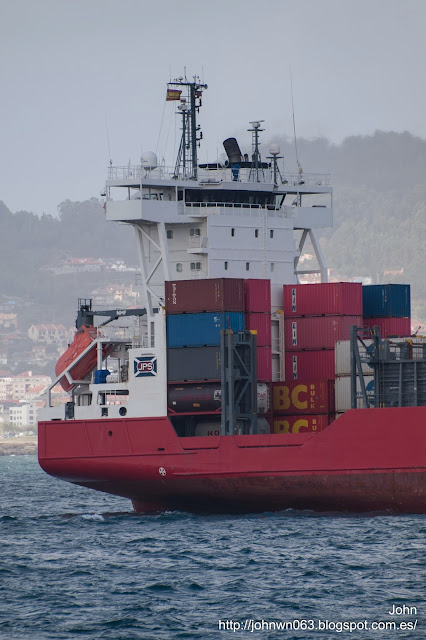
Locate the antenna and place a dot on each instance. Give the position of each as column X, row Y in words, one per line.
column 161, row 127
column 186, row 161
column 294, row 125
column 109, row 148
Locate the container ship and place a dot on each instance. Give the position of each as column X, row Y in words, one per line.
column 240, row 389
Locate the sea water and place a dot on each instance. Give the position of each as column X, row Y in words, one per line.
column 75, row 563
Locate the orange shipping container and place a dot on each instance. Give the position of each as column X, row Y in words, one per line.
column 303, row 397
column 301, row 424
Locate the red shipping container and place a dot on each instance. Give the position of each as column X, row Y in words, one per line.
column 264, row 364
column 260, row 322
column 318, row 332
column 196, row 296
column 327, row 298
column 390, row 326
column 301, row 424
column 303, row 397
column 258, row 295
column 309, row 365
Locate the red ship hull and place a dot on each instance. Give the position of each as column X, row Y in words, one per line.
column 367, row 460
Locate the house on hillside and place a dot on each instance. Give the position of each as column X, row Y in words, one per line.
column 48, row 333
column 76, row 265
column 15, row 388
column 9, row 321
column 113, row 294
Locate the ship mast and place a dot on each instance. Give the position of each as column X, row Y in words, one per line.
column 256, row 171
column 186, row 161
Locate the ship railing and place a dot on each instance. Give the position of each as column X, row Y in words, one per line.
column 137, row 173
column 218, row 175
column 145, row 342
column 197, row 274
column 116, row 333
column 265, row 176
column 399, row 349
column 308, row 179
column 129, row 335
column 198, row 242
column 126, row 173
column 238, row 208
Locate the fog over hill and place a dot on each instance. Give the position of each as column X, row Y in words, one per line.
column 384, row 161
column 379, row 221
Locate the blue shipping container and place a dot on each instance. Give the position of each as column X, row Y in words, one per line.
column 386, row 301
column 201, row 329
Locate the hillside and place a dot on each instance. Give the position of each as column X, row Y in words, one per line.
column 29, row 244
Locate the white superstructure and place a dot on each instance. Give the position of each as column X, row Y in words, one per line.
column 243, row 218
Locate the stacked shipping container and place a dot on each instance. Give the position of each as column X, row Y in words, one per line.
column 317, row 321
column 197, row 311
column 387, row 306
column 315, row 317
column 258, row 318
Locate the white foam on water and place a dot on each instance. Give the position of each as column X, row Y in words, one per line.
column 93, row 516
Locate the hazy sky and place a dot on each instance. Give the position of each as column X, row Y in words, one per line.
column 69, row 66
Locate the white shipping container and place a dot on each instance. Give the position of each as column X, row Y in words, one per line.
column 343, row 357
column 343, row 392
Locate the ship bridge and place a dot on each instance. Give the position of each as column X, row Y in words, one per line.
column 250, row 227
column 239, row 218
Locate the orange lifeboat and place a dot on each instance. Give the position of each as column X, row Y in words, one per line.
column 85, row 336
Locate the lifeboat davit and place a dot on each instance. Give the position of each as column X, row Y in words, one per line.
column 84, row 337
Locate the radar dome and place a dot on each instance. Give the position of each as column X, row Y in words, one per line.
column 274, row 149
column 149, row 160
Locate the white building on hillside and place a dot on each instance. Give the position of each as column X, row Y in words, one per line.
column 23, row 415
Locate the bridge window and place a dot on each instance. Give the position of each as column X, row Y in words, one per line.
column 195, row 266
column 195, row 232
